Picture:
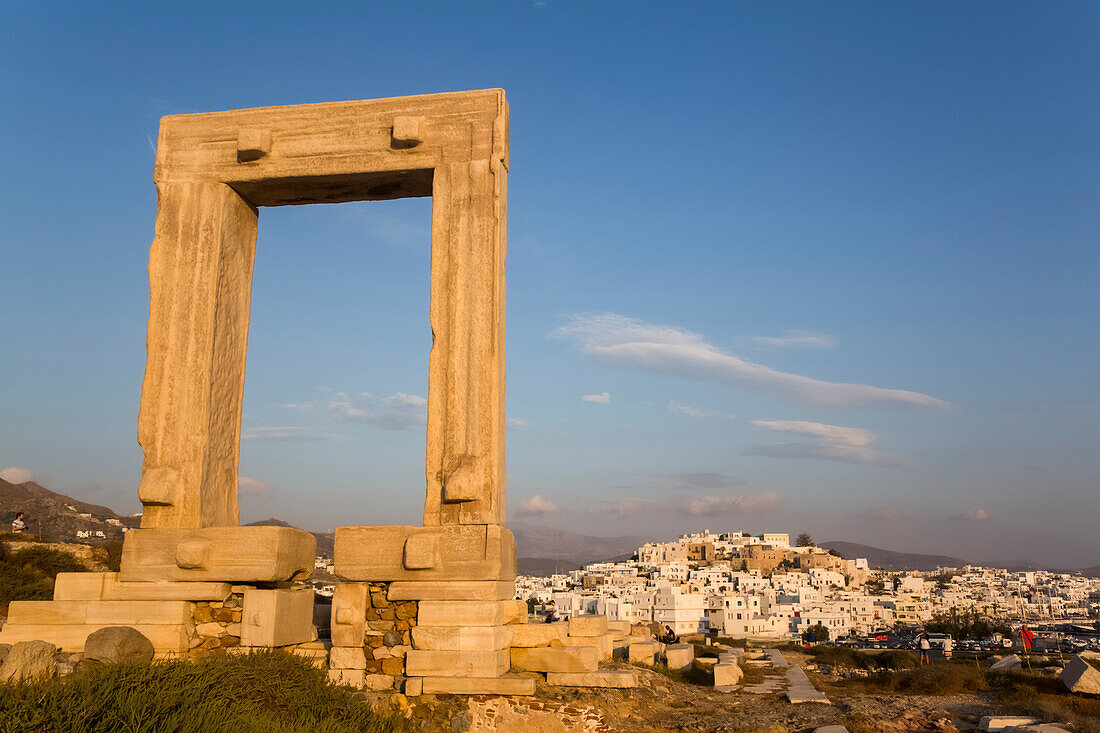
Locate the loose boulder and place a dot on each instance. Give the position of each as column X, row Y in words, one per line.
column 118, row 644
column 1078, row 676
column 29, row 660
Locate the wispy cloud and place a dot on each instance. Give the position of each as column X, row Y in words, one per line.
column 286, row 432
column 616, row 340
column 399, row 411
column 735, row 504
column 887, row 513
column 253, row 487
column 515, row 423
column 16, row 475
column 796, row 339
column 535, row 506
column 695, row 506
column 602, row 398
column 974, row 515
column 691, row 411
column 829, row 443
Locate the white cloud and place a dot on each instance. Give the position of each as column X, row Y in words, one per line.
column 286, row 432
column 603, row 398
column 514, row 423
column 690, row 411
column 830, row 443
column 705, row 480
column 399, row 411
column 795, row 339
column 16, row 475
column 252, row 487
column 736, row 504
column 620, row 341
column 974, row 515
column 536, row 505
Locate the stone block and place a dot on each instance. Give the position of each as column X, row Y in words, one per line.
column 1079, row 676
column 540, row 634
column 71, row 637
column 619, row 627
column 79, row 586
column 99, row 613
column 604, row 644
column 602, row 678
column 1005, row 663
column 451, row 590
column 233, row 554
column 347, row 657
column 378, row 682
column 421, row 663
column 727, row 675
column 505, row 685
column 461, row 613
column 461, row 638
column 414, row 686
column 679, row 656
column 644, row 652
column 1000, row 722
column 277, row 617
column 587, row 625
column 350, row 677
column 515, row 611
column 116, row 590
column 461, row 552
column 556, row 659
column 349, row 612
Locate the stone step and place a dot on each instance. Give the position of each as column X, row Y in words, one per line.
column 600, row 678
column 421, row 663
column 556, row 659
column 71, row 637
column 504, row 685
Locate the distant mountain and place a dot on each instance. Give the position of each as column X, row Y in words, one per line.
column 57, row 516
column 325, row 540
column 535, row 542
column 889, row 560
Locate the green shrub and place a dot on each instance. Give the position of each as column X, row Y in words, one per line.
column 896, row 659
column 257, row 693
column 28, row 574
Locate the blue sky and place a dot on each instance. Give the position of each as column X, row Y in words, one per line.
column 717, row 212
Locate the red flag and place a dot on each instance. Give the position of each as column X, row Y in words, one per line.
column 1027, row 636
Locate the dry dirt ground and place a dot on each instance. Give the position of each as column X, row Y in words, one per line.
column 663, row 704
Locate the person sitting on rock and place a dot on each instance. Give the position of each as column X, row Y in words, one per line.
column 18, row 525
column 552, row 613
column 669, row 636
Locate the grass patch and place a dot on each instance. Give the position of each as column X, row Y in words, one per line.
column 742, row 643
column 265, row 691
column 1045, row 697
column 848, row 658
column 938, row 679
column 28, row 574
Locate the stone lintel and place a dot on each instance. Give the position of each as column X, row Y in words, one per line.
column 233, row 554
column 485, row 552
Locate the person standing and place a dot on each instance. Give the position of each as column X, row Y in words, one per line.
column 925, row 647
column 18, row 526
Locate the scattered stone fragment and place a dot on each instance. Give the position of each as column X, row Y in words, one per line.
column 29, row 660
column 1080, row 676
column 1005, row 663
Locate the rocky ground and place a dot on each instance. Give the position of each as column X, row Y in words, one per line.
column 660, row 703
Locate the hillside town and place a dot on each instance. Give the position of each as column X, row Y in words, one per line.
column 745, row 586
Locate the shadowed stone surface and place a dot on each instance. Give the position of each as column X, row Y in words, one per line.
column 118, row 644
